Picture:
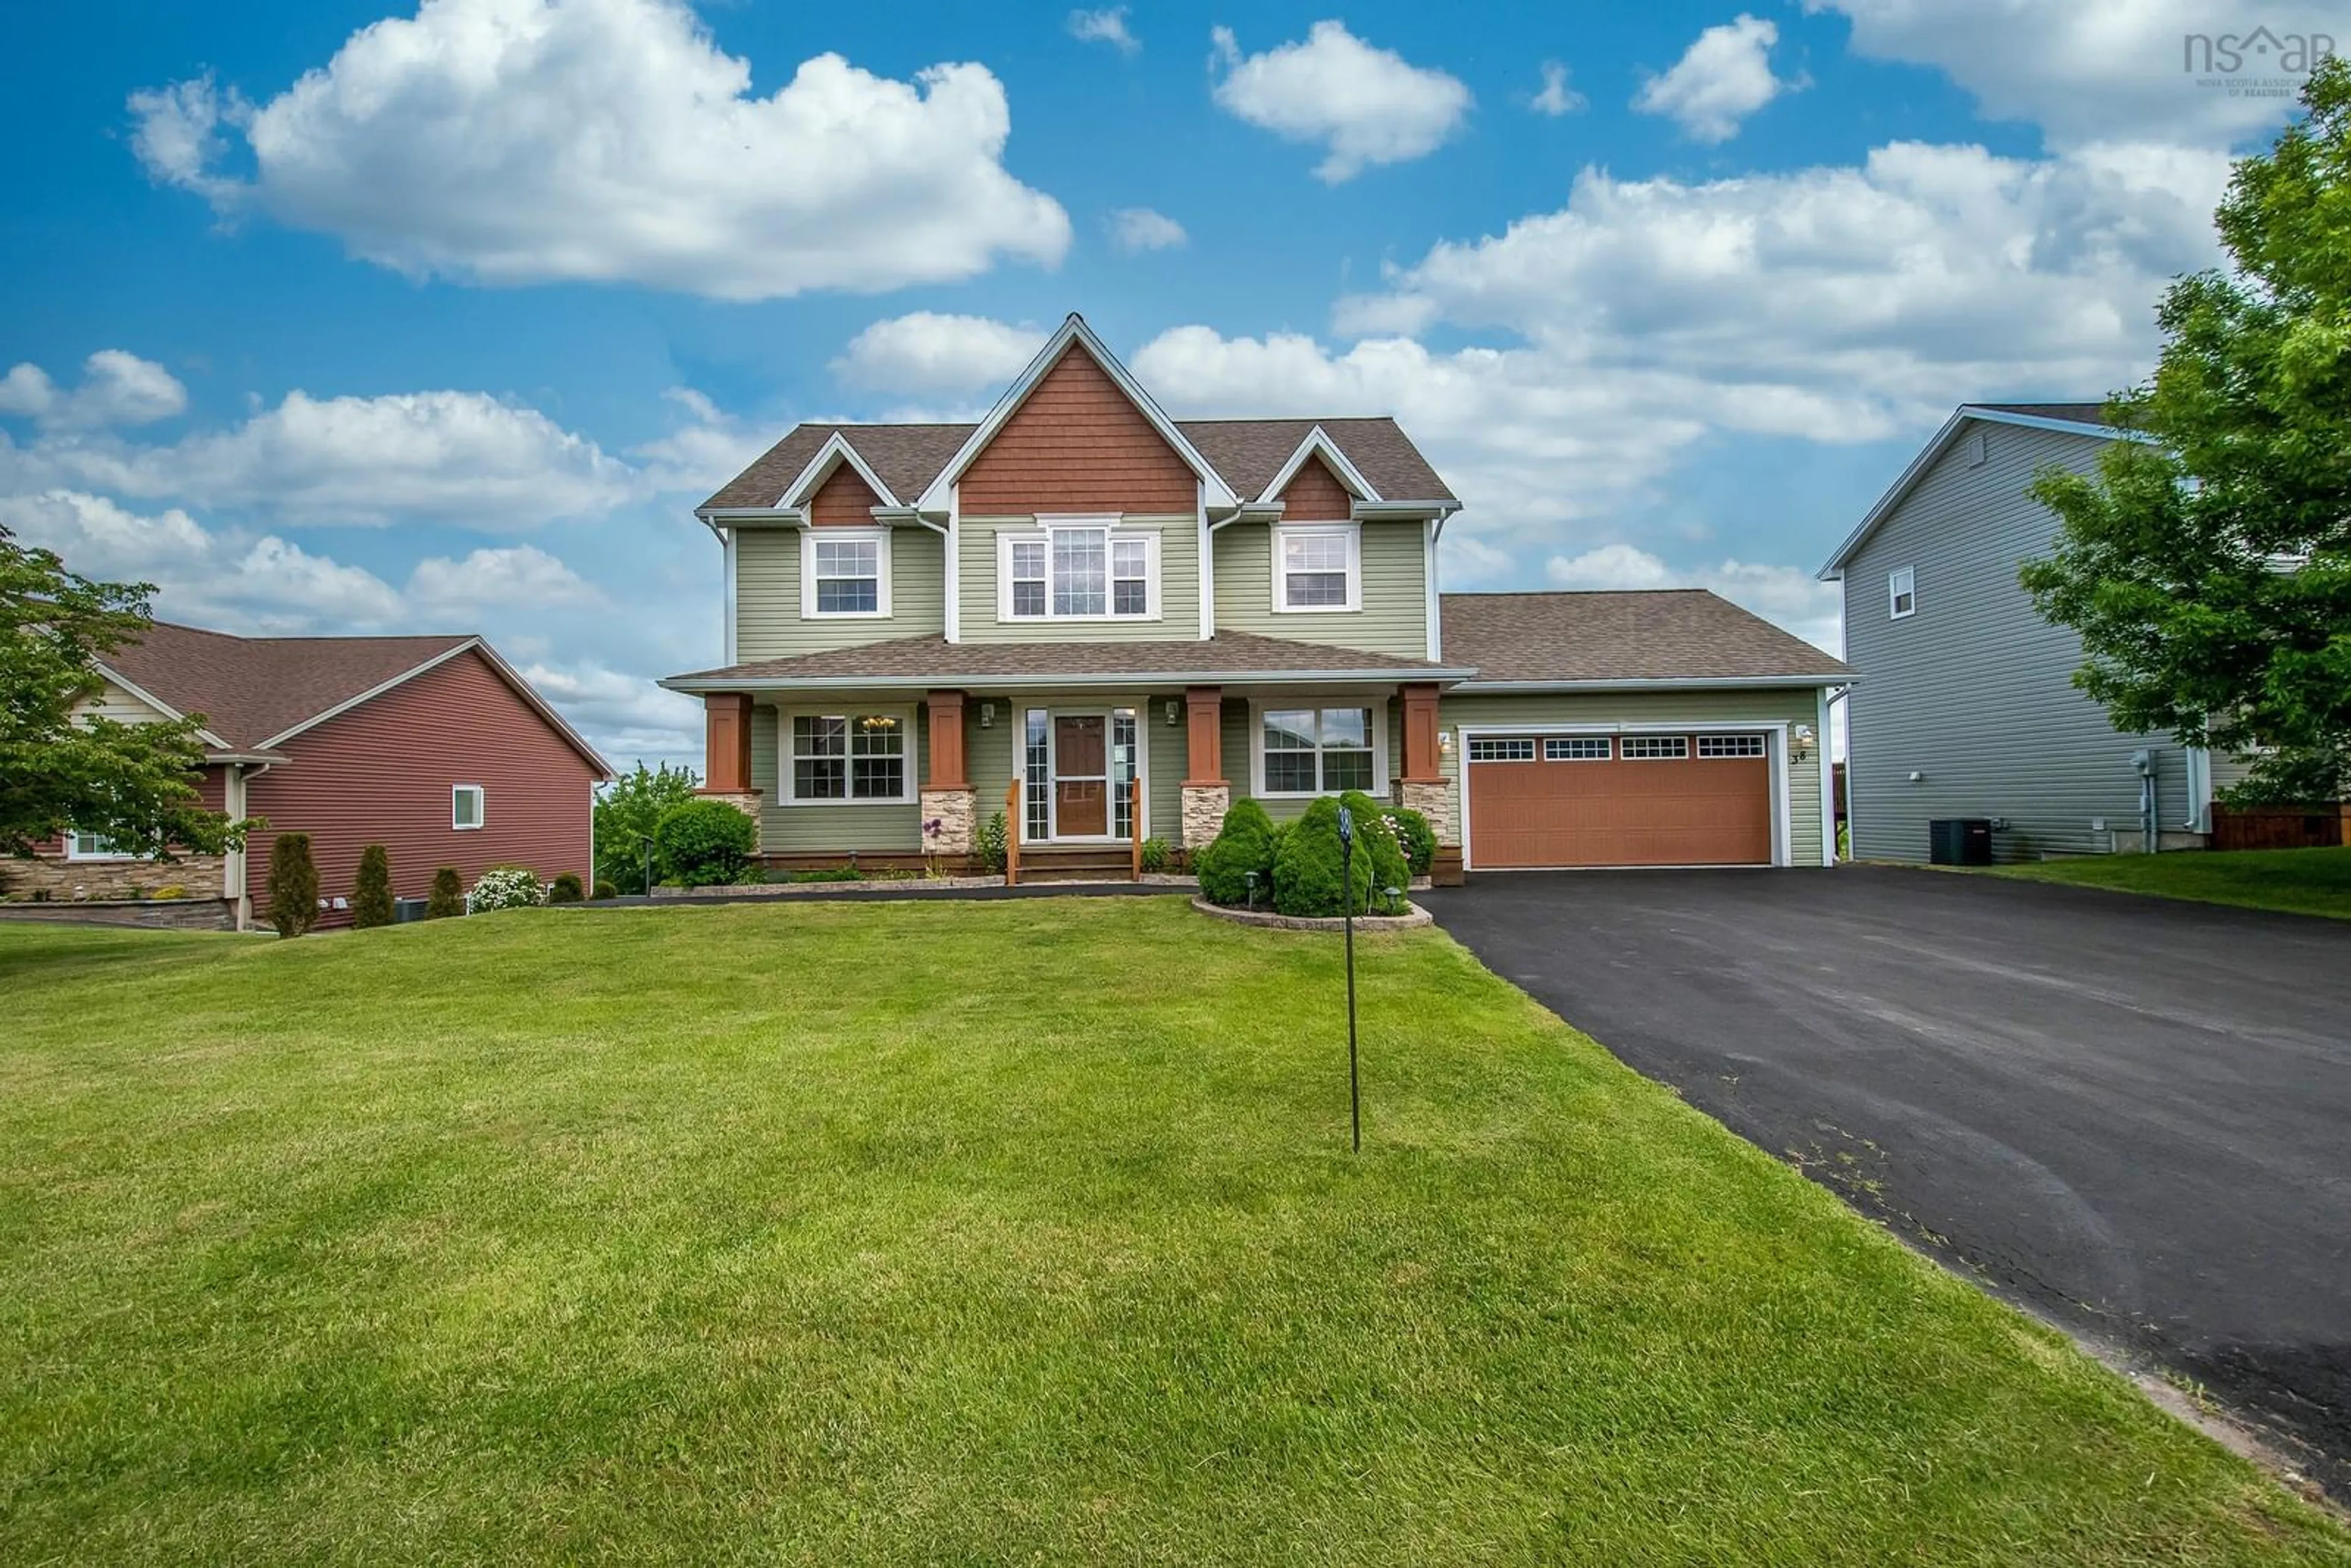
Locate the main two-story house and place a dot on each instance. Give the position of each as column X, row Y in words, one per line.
column 1079, row 609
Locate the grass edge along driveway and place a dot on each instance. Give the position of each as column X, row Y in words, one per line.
column 2290, row 882
column 972, row 1233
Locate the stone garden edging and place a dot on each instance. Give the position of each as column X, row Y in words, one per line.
column 1415, row 916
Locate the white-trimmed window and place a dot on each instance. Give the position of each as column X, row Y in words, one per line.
column 1902, row 592
column 844, row 572
column 848, row 757
column 1082, row 572
column 1655, row 747
column 1508, row 748
column 1578, row 748
column 1317, row 751
column 95, row 847
column 1730, row 746
column 466, row 806
column 1318, row 567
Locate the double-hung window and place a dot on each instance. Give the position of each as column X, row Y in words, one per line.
column 1078, row 572
column 847, row 573
column 1902, row 592
column 849, row 756
column 1317, row 751
column 1319, row 565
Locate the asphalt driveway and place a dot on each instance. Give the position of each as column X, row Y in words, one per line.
column 2133, row 1115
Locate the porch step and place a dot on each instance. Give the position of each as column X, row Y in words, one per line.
column 1085, row 862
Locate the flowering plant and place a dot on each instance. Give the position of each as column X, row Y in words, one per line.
column 505, row 887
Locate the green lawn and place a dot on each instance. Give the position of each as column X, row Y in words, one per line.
column 971, row 1233
column 2299, row 882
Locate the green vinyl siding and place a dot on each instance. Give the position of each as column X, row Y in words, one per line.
column 827, row 828
column 1177, row 605
column 768, row 622
column 1700, row 709
column 992, row 760
column 1395, row 616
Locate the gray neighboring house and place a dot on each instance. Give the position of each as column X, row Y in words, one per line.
column 1963, row 703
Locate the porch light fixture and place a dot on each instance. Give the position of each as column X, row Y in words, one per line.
column 878, row 721
column 1444, row 742
column 1175, row 713
column 1803, row 738
column 987, row 715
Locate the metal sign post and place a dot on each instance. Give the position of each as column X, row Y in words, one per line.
column 1347, row 912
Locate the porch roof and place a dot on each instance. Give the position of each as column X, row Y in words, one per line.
column 1229, row 656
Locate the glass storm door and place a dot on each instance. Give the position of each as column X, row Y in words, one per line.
column 1081, row 775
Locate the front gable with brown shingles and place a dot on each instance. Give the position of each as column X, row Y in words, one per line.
column 1078, row 444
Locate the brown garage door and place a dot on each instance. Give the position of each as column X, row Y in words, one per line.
column 1635, row 800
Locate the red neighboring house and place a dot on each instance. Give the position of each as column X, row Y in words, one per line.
column 433, row 746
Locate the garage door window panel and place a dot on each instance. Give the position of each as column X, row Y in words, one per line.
column 1730, row 746
column 1655, row 747
column 1578, row 748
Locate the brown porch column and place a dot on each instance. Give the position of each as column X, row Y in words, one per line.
column 727, row 719
column 947, row 808
column 1207, row 796
column 1420, row 727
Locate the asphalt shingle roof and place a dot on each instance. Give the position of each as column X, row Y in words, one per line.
column 935, row 658
column 1638, row 634
column 252, row 688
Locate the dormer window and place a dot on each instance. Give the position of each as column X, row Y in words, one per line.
column 845, row 572
column 1080, row 571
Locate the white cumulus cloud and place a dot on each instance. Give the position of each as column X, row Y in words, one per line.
column 1366, row 105
column 1134, row 229
column 1786, row 596
column 117, row 389
column 518, row 141
column 1556, row 98
column 926, row 352
column 1107, row 26
column 1721, row 79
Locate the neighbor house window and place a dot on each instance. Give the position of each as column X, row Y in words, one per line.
column 1320, row 568
column 849, row 756
column 97, row 847
column 1309, row 751
column 1578, row 748
column 1655, row 747
column 465, row 805
column 1902, row 592
column 1730, row 746
column 845, row 574
column 1077, row 573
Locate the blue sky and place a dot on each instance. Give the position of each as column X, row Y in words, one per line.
column 335, row 318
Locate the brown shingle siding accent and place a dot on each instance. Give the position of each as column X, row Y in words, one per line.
column 1077, row 444
column 843, row 501
column 1315, row 494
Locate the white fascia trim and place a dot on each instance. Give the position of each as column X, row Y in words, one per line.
column 1131, row 680
column 1074, row 331
column 1319, row 442
column 715, row 516
column 1942, row 441
column 1402, row 511
column 1376, row 701
column 820, row 469
column 1828, row 781
column 878, row 538
column 726, row 537
column 1775, row 730
column 152, row 700
column 1249, row 512
column 1475, row 687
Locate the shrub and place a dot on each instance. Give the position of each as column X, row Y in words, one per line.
column 1415, row 837
column 1374, row 837
column 293, row 885
column 1155, row 854
column 1243, row 844
column 628, row 812
column 448, row 894
column 604, row 888
column 1307, row 877
column 505, row 887
column 988, row 843
column 705, row 844
column 371, row 889
column 566, row 889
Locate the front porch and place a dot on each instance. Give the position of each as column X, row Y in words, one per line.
column 896, row 779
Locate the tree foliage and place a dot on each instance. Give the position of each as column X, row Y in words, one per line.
column 371, row 889
column 627, row 811
column 293, row 885
column 132, row 784
column 2207, row 566
column 705, row 844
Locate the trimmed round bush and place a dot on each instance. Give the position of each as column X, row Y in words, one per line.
column 705, row 844
column 1307, row 875
column 1376, row 837
column 566, row 889
column 448, row 895
column 604, row 888
column 505, row 887
column 1415, row 837
column 1242, row 845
